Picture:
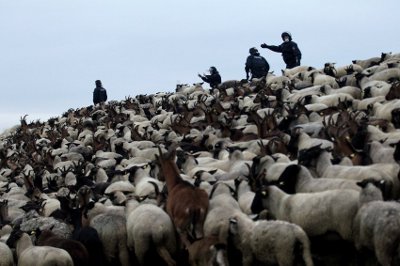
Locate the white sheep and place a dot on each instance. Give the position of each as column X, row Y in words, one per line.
column 110, row 223
column 112, row 233
column 316, row 213
column 331, row 100
column 5, row 233
column 389, row 137
column 380, row 153
column 6, row 255
column 375, row 88
column 384, row 110
column 148, row 153
column 123, row 186
column 192, row 165
column 277, row 82
column 294, row 71
column 245, row 196
column 385, row 171
column 270, row 242
column 304, row 141
column 353, row 91
column 387, row 75
column 144, row 183
column 319, row 78
column 222, row 206
column 365, row 63
column 364, row 104
column 298, row 179
column 377, row 228
column 28, row 254
column 147, row 227
column 345, row 70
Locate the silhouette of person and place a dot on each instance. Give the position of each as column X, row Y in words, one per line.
column 214, row 79
column 290, row 51
column 99, row 93
column 256, row 65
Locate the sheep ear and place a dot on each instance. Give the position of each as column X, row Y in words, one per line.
column 213, row 171
column 233, row 226
column 362, row 183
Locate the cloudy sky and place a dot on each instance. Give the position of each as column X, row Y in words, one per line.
column 53, row 51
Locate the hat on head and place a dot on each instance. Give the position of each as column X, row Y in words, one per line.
column 253, row 50
column 286, row 33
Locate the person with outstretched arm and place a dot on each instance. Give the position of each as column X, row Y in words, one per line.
column 214, row 79
column 290, row 51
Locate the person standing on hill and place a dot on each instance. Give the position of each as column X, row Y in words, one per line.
column 99, row 93
column 214, row 79
column 290, row 51
column 256, row 65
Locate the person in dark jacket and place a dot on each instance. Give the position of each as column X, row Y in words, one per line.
column 99, row 93
column 214, row 79
column 256, row 65
column 290, row 51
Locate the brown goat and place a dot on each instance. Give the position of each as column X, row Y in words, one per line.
column 186, row 204
column 76, row 249
column 208, row 251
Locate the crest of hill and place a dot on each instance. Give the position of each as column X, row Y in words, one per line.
column 237, row 112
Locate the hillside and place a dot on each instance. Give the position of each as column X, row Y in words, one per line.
column 248, row 131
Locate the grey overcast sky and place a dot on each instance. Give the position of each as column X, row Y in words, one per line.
column 53, row 51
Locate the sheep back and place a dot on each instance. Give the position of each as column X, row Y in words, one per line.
column 45, row 255
column 279, row 241
column 377, row 227
column 142, row 235
column 316, row 213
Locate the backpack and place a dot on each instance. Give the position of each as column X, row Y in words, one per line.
column 259, row 65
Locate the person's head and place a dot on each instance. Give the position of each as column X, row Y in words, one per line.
column 213, row 70
column 254, row 51
column 98, row 83
column 286, row 36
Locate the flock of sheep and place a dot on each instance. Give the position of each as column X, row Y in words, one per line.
column 287, row 169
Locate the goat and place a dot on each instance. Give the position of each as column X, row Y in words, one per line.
column 89, row 237
column 77, row 250
column 186, row 205
column 208, row 251
column 110, row 224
